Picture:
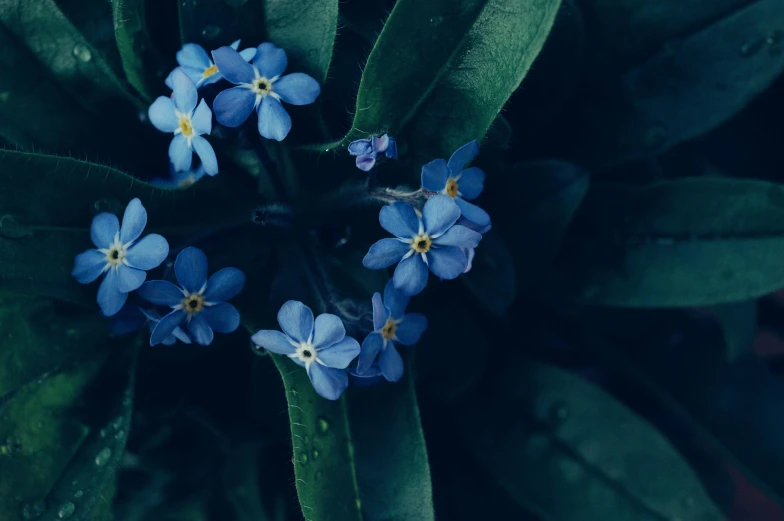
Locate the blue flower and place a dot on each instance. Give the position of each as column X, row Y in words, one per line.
column 200, row 303
column 320, row 346
column 187, row 122
column 461, row 185
column 132, row 318
column 367, row 150
column 261, row 86
column 196, row 63
column 432, row 241
column 153, row 318
column 179, row 180
column 470, row 252
column 390, row 324
column 120, row 256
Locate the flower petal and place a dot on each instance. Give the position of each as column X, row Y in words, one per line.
column 133, row 222
column 248, row 54
column 340, row 354
column 327, row 382
column 206, row 153
column 297, row 88
column 273, row 341
column 296, row 320
column 470, row 253
column 395, row 300
column 399, row 219
column 360, row 147
column 185, row 95
column 192, row 55
column 328, row 330
column 471, row 183
column 439, row 214
column 129, row 319
column 473, row 213
column 381, row 143
column 148, row 253
column 103, row 229
column 191, row 269
column 129, row 279
column 233, row 106
column 410, row 275
column 88, row 266
column 223, row 318
column 411, row 328
column 447, row 262
column 391, row 363
column 391, row 151
column 232, row 66
column 166, row 326
column 180, row 153
column 365, row 163
column 385, row 253
column 202, row 119
column 274, row 121
column 200, row 331
column 181, row 335
column 270, row 60
column 110, row 298
column 371, row 347
column 162, row 116
column 459, row 236
column 380, row 313
column 161, row 292
column 434, row 175
column 195, row 74
column 224, row 284
column 462, row 156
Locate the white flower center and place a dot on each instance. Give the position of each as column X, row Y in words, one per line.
column 115, row 253
column 306, row 352
column 262, row 86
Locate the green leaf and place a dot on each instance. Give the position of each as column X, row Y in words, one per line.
column 367, row 448
column 738, row 322
column 141, row 62
column 692, row 242
column 214, row 23
column 719, row 70
column 567, row 450
column 306, row 30
column 40, row 237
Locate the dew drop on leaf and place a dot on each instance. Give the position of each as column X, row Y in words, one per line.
column 82, row 53
column 78, row 494
column 210, row 32
column 323, row 425
column 102, row 457
column 66, row 510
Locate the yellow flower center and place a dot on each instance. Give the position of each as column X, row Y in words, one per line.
column 421, row 243
column 261, row 86
column 451, row 188
column 193, row 304
column 185, row 126
column 209, row 71
column 388, row 331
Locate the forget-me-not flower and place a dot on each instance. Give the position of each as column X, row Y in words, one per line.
column 188, row 122
column 119, row 255
column 132, row 318
column 320, row 346
column 367, row 150
column 261, row 86
column 200, row 303
column 461, row 185
column 431, row 241
column 470, row 252
column 179, row 180
column 390, row 324
column 196, row 63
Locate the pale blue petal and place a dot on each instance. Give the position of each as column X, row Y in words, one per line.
column 371, row 347
column 327, row 382
column 248, row 54
column 439, row 214
column 391, row 363
column 411, row 328
column 202, row 119
column 185, row 95
column 148, row 253
column 129, row 279
column 192, row 55
column 391, row 151
column 168, row 80
column 206, row 153
column 224, row 285
column 161, row 292
column 181, row 335
column 103, row 229
column 273, row 341
column 190, row 267
column 270, row 60
column 195, row 74
column 473, row 213
column 399, row 219
column 297, row 88
column 447, row 262
column 434, row 175
column 385, row 253
column 233, row 106
column 200, row 331
column 235, row 44
column 232, row 66
column 395, row 300
column 223, row 318
column 340, row 354
column 166, row 326
column 462, row 156
column 360, row 147
column 162, row 116
column 133, row 222
column 180, row 153
column 381, row 144
column 410, row 275
column 327, row 330
column 296, row 320
column 459, row 236
column 88, row 266
column 380, row 313
column 365, row 163
column 110, row 298
column 469, row 253
column 274, row 121
column 471, row 183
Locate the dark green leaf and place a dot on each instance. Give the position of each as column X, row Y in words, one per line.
column 693, row 242
column 306, row 30
column 738, row 321
column 142, row 64
column 213, row 23
column 567, row 450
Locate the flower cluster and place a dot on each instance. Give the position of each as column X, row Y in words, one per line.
column 367, row 150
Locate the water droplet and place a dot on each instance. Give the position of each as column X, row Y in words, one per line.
column 4, row 96
column 82, row 53
column 78, row 494
column 358, row 504
column 656, row 136
column 319, row 474
column 102, row 457
column 103, row 433
column 436, row 21
column 306, row 439
column 210, row 32
column 66, row 510
column 752, row 47
column 188, row 4
column 315, row 454
column 117, row 423
column 33, row 511
column 102, row 205
column 119, row 435
column 323, row 425
column 559, row 412
column 303, row 458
